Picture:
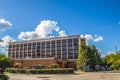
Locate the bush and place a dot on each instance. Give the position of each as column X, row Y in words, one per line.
column 40, row 66
column 17, row 65
column 54, row 66
column 41, row 71
column 4, row 77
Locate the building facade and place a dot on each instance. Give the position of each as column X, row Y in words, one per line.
column 61, row 50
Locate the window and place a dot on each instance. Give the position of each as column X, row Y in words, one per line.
column 43, row 43
column 69, row 40
column 38, row 51
column 58, row 41
column 75, row 39
column 64, row 41
column 34, row 44
column 38, row 43
column 29, row 44
column 48, row 42
column 38, row 47
column 53, row 42
column 10, row 46
column 25, row 45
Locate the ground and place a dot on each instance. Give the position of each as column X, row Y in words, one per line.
column 77, row 76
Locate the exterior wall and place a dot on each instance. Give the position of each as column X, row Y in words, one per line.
column 34, row 52
column 31, row 63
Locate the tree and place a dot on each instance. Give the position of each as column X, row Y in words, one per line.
column 93, row 56
column 82, row 55
column 113, row 60
column 4, row 61
column 88, row 56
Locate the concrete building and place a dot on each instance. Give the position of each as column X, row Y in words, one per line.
column 61, row 50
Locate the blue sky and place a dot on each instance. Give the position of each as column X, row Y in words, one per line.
column 95, row 19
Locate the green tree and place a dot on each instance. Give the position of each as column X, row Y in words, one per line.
column 82, row 55
column 113, row 60
column 4, row 61
column 93, row 56
column 88, row 55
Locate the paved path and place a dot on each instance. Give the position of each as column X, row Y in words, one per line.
column 78, row 76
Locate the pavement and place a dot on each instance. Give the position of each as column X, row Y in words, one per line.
column 76, row 76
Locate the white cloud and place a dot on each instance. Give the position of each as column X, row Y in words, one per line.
column 43, row 30
column 99, row 38
column 62, row 33
column 4, row 43
column 89, row 37
column 4, row 24
column 118, row 22
column 28, row 35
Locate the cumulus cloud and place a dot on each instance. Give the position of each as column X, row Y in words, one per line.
column 4, row 24
column 62, row 33
column 5, row 42
column 43, row 30
column 99, row 38
column 89, row 37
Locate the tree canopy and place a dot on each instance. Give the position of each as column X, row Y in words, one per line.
column 4, row 61
column 88, row 56
column 112, row 60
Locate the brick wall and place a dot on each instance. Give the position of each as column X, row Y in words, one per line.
column 30, row 63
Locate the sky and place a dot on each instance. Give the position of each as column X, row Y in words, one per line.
column 96, row 20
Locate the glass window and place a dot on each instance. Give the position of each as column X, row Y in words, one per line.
column 34, row 43
column 48, row 42
column 38, row 43
column 21, row 45
column 29, row 44
column 75, row 39
column 64, row 41
column 10, row 46
column 17, row 45
column 64, row 45
column 53, row 42
column 58, row 41
column 38, row 47
column 25, row 44
column 69, row 40
column 43, row 43
column 38, row 50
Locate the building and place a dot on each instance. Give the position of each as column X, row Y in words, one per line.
column 61, row 50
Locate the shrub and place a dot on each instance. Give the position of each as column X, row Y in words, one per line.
column 17, row 65
column 21, row 70
column 55, row 66
column 33, row 71
column 40, row 66
column 4, row 77
column 41, row 71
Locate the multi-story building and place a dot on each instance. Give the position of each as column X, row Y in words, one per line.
column 61, row 50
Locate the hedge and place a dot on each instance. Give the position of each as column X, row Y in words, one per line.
column 4, row 77
column 41, row 71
